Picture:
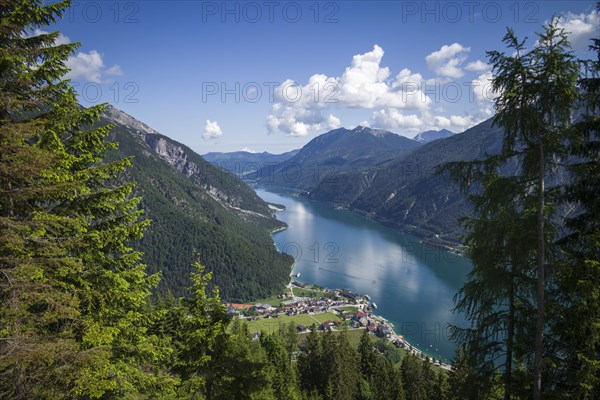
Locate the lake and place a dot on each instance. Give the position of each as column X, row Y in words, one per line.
column 412, row 284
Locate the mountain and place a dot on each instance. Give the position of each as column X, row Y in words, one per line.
column 245, row 164
column 197, row 207
column 407, row 193
column 333, row 152
column 430, row 136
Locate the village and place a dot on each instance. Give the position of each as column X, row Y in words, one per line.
column 311, row 307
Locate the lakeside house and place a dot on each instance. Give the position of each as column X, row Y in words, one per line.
column 383, row 331
column 329, row 325
column 349, row 295
column 362, row 318
column 232, row 311
column 261, row 308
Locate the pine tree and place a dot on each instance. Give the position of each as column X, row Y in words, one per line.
column 242, row 371
column 72, row 293
column 415, row 386
column 201, row 338
column 495, row 298
column 311, row 371
column 340, row 364
column 289, row 335
column 465, row 381
column 284, row 381
column 537, row 91
column 368, row 358
column 429, row 378
column 380, row 379
column 508, row 238
column 577, row 314
column 387, row 382
column 442, row 387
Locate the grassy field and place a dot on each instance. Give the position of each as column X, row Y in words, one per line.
column 273, row 300
column 354, row 336
column 271, row 325
column 307, row 292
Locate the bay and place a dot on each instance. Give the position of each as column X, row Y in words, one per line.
column 412, row 284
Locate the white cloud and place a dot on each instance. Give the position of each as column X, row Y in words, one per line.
column 482, row 88
column 442, row 122
column 399, row 102
column 393, row 119
column 408, row 125
column 580, row 27
column 462, row 121
column 90, row 67
column 212, row 130
column 114, row 70
column 298, row 110
column 363, row 83
column 249, row 150
column 333, row 122
column 87, row 66
column 299, row 121
column 447, row 60
column 477, row 66
column 60, row 40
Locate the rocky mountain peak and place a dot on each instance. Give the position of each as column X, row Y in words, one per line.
column 127, row 120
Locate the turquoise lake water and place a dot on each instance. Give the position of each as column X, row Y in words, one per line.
column 413, row 285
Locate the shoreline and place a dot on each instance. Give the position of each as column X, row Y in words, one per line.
column 427, row 238
column 365, row 299
column 394, row 338
column 279, row 229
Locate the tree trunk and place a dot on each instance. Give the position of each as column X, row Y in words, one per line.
column 509, row 336
column 539, row 326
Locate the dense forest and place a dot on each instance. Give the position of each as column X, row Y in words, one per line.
column 186, row 219
column 78, row 319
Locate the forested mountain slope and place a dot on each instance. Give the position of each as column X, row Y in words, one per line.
column 335, row 151
column 196, row 207
column 406, row 192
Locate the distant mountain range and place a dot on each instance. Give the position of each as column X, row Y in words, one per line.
column 333, row 152
column 430, row 136
column 244, row 163
column 197, row 207
column 385, row 176
column 406, row 192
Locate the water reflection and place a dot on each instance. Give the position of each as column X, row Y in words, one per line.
column 412, row 284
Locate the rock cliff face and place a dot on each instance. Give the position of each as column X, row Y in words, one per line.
column 172, row 154
column 225, row 188
column 198, row 210
column 124, row 119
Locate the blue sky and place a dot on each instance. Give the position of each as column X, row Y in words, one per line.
column 271, row 75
